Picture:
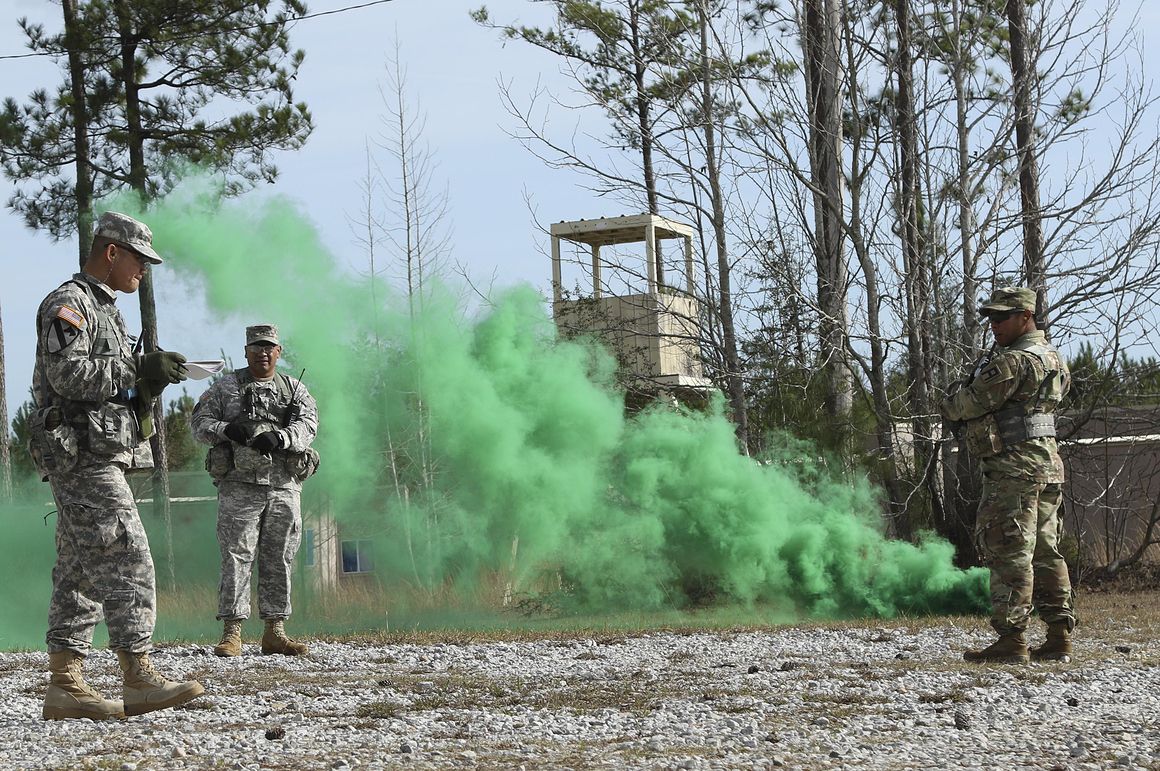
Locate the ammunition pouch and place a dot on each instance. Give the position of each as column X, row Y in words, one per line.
column 1016, row 426
column 247, row 459
column 982, row 437
column 219, row 461
column 112, row 429
column 1000, row 431
column 303, row 465
column 52, row 442
column 225, row 457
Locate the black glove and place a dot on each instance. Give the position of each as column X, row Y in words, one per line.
column 236, row 432
column 266, row 442
column 161, row 368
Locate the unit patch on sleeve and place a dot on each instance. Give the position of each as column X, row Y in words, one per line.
column 60, row 335
column 990, row 374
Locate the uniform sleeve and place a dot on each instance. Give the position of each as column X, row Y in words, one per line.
column 987, row 393
column 71, row 366
column 207, row 422
column 301, row 432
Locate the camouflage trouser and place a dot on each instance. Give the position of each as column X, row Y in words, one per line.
column 1017, row 532
column 257, row 521
column 103, row 563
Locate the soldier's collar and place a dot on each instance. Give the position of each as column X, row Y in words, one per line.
column 104, row 291
column 1027, row 339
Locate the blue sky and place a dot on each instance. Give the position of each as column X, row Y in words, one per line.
column 453, row 69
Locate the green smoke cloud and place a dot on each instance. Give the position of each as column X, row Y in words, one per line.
column 487, row 449
column 26, row 570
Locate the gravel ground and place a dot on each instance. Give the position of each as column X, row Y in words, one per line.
column 879, row 695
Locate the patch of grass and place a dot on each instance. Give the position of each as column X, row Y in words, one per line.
column 429, row 702
column 593, row 696
column 379, row 710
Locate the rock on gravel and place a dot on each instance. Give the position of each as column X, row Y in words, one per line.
column 814, row 698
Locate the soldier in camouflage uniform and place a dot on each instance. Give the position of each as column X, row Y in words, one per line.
column 92, row 394
column 260, row 424
column 1006, row 411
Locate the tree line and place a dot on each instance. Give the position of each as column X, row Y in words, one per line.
column 859, row 174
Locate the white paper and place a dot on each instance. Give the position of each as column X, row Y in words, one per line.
column 200, row 370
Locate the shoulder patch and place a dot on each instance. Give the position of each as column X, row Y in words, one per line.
column 60, row 335
column 71, row 316
column 990, row 374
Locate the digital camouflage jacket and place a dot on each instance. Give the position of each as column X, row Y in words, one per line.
column 86, row 366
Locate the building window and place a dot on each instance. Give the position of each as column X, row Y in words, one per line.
column 356, row 557
column 309, row 547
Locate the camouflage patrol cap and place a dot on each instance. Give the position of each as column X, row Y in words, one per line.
column 262, row 333
column 126, row 231
column 1009, row 298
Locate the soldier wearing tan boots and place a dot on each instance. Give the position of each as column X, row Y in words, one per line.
column 1007, row 414
column 260, row 424
column 92, row 394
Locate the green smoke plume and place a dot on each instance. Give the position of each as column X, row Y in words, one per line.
column 477, row 450
column 26, row 570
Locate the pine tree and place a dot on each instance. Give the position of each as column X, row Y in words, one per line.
column 147, row 71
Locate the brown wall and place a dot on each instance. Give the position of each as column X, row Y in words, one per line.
column 1113, row 481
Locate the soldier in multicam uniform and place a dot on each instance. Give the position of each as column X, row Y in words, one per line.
column 93, row 395
column 260, row 424
column 1006, row 411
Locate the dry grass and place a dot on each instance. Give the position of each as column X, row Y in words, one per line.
column 371, row 614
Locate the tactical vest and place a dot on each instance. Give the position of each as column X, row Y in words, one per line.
column 62, row 429
column 1029, row 417
column 224, row 457
column 254, row 413
column 106, row 342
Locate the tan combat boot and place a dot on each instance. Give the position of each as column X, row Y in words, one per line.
column 1008, row 649
column 146, row 690
column 231, row 644
column 1057, row 646
column 274, row 640
column 69, row 696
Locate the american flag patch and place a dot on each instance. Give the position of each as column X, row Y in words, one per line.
column 72, row 317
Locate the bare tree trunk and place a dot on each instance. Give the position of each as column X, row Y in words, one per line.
column 961, row 491
column 149, row 336
column 822, row 78
column 83, row 189
column 970, row 337
column 918, row 272
column 876, row 372
column 733, row 378
column 644, row 118
column 1034, row 269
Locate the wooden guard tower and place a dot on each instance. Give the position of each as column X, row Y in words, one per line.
column 654, row 334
